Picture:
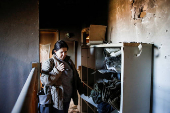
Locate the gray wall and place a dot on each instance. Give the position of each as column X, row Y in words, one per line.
column 148, row 22
column 76, row 31
column 19, row 47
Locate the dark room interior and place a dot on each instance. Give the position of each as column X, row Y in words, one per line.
column 125, row 21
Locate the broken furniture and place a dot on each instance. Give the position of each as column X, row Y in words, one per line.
column 136, row 70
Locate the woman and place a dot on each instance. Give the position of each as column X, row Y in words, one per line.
column 60, row 74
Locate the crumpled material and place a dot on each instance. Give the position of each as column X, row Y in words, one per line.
column 113, row 63
column 111, row 93
column 108, row 92
column 104, row 107
column 96, row 93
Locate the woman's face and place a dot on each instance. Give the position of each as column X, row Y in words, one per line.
column 61, row 53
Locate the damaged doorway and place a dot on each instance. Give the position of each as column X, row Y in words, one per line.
column 47, row 40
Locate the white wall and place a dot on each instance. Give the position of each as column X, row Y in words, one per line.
column 148, row 22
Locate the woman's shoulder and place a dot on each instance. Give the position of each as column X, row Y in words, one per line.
column 48, row 63
column 50, row 60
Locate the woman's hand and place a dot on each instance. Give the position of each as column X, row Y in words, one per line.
column 61, row 67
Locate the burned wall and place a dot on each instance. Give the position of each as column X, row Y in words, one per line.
column 146, row 21
column 19, row 47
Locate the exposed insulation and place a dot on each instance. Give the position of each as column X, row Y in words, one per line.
column 139, row 8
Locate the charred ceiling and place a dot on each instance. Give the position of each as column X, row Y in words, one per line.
column 72, row 12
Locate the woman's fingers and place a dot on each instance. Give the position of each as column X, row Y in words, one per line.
column 61, row 67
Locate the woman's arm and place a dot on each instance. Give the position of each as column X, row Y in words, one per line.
column 50, row 73
column 82, row 89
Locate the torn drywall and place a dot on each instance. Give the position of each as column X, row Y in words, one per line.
column 139, row 8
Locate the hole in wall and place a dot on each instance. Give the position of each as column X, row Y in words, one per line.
column 139, row 8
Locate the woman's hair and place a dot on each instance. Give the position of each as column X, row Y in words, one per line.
column 58, row 45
